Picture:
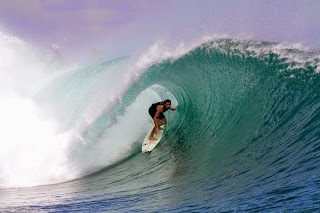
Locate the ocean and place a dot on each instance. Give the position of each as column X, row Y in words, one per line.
column 245, row 136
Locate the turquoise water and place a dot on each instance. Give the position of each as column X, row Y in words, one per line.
column 245, row 136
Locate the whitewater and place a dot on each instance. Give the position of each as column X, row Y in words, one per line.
column 245, row 136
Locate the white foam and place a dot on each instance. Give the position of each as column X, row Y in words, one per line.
column 295, row 55
column 163, row 50
column 32, row 151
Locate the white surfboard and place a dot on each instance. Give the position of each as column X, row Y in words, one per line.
column 148, row 145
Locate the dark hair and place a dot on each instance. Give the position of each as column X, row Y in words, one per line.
column 167, row 100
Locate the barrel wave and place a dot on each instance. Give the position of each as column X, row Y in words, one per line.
column 245, row 136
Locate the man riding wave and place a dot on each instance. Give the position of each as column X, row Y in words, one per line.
column 156, row 112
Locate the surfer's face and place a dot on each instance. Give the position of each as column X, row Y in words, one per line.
column 167, row 105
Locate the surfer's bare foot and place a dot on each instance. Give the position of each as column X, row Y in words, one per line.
column 153, row 139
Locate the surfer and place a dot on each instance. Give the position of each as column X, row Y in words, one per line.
column 156, row 112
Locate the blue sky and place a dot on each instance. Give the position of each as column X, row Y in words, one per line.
column 123, row 27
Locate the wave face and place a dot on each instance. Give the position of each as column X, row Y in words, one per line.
column 245, row 136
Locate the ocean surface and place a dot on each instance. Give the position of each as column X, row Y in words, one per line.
column 245, row 137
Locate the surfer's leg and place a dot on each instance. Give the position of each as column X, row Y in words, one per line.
column 159, row 121
column 154, row 129
column 163, row 121
column 151, row 135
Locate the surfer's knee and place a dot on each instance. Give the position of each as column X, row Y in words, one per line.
column 158, row 122
column 164, row 121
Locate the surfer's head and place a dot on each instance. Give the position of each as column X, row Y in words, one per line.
column 167, row 103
